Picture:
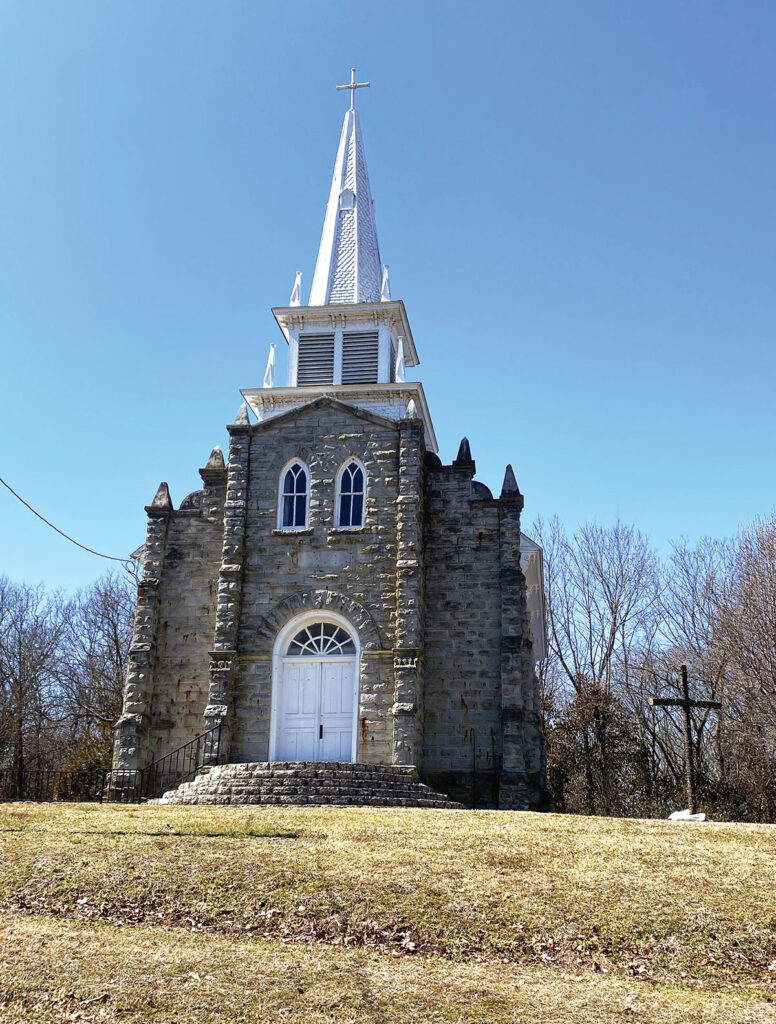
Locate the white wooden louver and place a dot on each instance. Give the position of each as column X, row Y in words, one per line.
column 359, row 357
column 315, row 364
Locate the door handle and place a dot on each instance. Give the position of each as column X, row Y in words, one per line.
column 320, row 732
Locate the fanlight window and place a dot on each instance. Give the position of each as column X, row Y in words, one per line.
column 293, row 498
column 323, row 638
column 351, row 496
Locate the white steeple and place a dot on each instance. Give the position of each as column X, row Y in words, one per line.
column 353, row 341
column 348, row 268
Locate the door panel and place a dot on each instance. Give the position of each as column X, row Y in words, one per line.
column 337, row 710
column 297, row 734
column 316, row 710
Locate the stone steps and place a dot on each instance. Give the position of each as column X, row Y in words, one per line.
column 305, row 783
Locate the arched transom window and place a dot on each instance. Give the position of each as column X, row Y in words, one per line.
column 352, row 489
column 322, row 638
column 294, row 490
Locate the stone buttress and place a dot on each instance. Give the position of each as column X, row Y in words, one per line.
column 166, row 685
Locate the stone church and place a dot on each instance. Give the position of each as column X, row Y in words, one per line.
column 335, row 594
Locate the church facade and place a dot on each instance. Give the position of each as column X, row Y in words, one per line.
column 334, row 592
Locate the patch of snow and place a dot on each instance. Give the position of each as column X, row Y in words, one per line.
column 686, row 816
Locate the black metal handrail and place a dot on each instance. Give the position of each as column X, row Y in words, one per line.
column 180, row 764
column 118, row 785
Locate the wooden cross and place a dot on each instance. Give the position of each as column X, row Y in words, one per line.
column 353, row 85
column 686, row 705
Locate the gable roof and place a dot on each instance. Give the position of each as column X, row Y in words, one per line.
column 323, row 402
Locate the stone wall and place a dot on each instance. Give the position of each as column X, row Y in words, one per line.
column 187, row 605
column 350, row 571
column 462, row 724
column 431, row 583
column 167, row 680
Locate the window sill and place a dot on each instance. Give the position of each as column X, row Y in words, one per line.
column 293, row 531
column 347, row 529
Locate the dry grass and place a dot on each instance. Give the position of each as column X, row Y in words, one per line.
column 513, row 906
column 76, row 971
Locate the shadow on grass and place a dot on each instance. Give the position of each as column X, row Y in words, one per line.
column 163, row 832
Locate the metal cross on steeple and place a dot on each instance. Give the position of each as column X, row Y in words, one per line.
column 353, row 85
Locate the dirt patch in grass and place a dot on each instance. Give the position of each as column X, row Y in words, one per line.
column 648, row 900
column 53, row 970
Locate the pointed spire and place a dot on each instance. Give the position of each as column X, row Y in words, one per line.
column 162, row 497
column 348, row 268
column 296, row 291
column 214, row 473
column 242, row 416
column 398, row 371
column 385, row 287
column 216, row 460
column 509, row 488
column 463, row 460
column 269, row 373
column 464, row 451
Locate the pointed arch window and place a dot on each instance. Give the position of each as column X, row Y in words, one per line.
column 294, row 497
column 351, row 493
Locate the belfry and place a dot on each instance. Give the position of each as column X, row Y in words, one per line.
column 336, row 616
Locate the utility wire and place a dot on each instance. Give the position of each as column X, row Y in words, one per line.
column 111, row 558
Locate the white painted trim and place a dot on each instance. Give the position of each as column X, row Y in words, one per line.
column 293, row 356
column 266, row 403
column 351, row 313
column 337, row 375
column 282, row 641
column 338, row 485
column 291, row 462
column 384, row 354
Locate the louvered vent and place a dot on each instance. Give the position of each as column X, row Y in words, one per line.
column 359, row 358
column 316, row 359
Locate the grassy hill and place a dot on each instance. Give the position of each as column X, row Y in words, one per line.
column 317, row 914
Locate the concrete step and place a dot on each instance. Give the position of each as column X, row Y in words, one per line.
column 308, row 783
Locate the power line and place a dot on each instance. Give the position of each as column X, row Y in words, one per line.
column 111, row 558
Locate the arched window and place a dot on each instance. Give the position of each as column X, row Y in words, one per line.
column 350, row 494
column 322, row 638
column 294, row 491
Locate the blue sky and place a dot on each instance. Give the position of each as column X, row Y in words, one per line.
column 576, row 201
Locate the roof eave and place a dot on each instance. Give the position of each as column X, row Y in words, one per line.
column 288, row 317
column 349, row 394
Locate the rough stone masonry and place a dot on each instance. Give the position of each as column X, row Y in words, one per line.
column 432, row 585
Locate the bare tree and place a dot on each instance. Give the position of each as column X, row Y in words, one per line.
column 619, row 627
column 750, row 612
column 31, row 627
column 697, row 584
column 748, row 628
column 602, row 588
column 94, row 653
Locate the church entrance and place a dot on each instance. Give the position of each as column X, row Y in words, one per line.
column 315, row 696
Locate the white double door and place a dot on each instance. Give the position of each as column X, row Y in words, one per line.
column 316, row 710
